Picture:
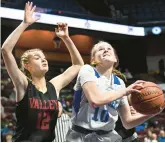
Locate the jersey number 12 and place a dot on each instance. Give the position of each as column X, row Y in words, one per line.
column 43, row 120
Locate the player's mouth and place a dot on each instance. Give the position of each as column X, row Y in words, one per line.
column 44, row 65
column 106, row 55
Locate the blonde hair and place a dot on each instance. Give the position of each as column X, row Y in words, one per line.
column 95, row 63
column 25, row 59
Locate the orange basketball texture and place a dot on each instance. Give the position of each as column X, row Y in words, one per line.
column 150, row 100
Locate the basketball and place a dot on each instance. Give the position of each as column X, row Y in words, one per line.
column 149, row 101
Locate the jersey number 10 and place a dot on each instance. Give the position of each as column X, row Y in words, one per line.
column 104, row 115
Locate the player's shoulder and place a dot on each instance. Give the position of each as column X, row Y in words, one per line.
column 85, row 73
column 86, row 67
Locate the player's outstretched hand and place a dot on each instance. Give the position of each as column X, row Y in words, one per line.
column 62, row 30
column 29, row 17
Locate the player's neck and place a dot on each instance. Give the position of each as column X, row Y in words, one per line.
column 106, row 71
column 39, row 82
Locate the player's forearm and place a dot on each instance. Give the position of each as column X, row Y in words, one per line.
column 136, row 119
column 108, row 97
column 13, row 38
column 74, row 53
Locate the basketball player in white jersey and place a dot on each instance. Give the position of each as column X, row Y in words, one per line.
column 98, row 99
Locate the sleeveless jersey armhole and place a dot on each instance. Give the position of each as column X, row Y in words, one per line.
column 52, row 88
column 21, row 101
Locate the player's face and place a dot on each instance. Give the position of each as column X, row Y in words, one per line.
column 105, row 54
column 37, row 64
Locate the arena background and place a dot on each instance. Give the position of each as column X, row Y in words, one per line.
column 143, row 56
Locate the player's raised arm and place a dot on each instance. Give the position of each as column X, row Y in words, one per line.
column 18, row 78
column 77, row 61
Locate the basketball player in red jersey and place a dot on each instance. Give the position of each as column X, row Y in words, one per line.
column 37, row 108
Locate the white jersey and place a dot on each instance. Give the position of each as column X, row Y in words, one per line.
column 99, row 118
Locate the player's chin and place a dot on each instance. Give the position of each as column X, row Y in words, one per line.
column 108, row 61
column 45, row 69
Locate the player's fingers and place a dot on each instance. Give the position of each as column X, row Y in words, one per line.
column 26, row 6
column 33, row 9
column 30, row 5
column 138, row 86
column 132, row 109
column 62, row 26
column 140, row 81
column 56, row 30
column 133, row 112
column 59, row 24
column 66, row 25
column 135, row 90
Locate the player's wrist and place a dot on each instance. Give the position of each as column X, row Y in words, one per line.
column 124, row 92
column 66, row 37
column 24, row 24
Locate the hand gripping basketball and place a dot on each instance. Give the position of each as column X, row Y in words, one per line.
column 150, row 99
